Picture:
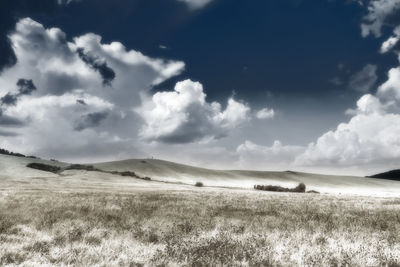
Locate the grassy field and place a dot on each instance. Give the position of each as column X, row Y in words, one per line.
column 196, row 227
column 86, row 218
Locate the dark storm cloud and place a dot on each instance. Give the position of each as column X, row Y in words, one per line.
column 91, row 120
column 25, row 87
column 8, row 100
column 105, row 71
column 81, row 102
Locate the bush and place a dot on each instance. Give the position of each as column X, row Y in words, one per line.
column 44, row 167
column 80, row 167
column 199, row 184
column 301, row 188
column 128, row 173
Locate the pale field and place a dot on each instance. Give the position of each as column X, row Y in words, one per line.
column 95, row 219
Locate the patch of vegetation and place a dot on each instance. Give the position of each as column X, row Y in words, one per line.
column 301, row 188
column 81, row 167
column 44, row 167
column 161, row 228
column 9, row 153
column 199, row 184
column 128, row 173
column 390, row 175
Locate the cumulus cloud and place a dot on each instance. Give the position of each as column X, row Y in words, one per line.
column 265, row 113
column 391, row 42
column 26, row 87
column 365, row 79
column 365, row 139
column 371, row 136
column 390, row 90
column 60, row 106
column 101, row 66
column 273, row 157
column 91, row 120
column 379, row 14
column 196, row 4
column 184, row 115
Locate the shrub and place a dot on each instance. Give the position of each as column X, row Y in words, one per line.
column 128, row 173
column 199, row 184
column 301, row 188
column 80, row 167
column 44, row 167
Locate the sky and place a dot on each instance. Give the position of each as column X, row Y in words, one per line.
column 308, row 85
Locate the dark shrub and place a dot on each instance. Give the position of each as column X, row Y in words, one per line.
column 199, row 184
column 146, row 178
column 44, row 167
column 301, row 188
column 9, row 153
column 80, row 167
column 128, row 173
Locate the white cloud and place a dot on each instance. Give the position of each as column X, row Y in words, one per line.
column 371, row 137
column 391, row 42
column 275, row 157
column 184, row 115
column 196, row 4
column 265, row 113
column 390, row 90
column 365, row 139
column 365, row 79
column 378, row 13
column 72, row 111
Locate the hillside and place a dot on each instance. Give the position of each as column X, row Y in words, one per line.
column 13, row 169
column 390, row 175
column 173, row 172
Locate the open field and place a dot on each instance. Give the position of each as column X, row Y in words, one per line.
column 92, row 218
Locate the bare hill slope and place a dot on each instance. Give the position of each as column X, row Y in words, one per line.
column 13, row 169
column 173, row 172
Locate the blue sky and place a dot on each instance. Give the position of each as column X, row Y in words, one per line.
column 229, row 84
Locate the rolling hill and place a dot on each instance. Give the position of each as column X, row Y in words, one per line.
column 390, row 175
column 165, row 174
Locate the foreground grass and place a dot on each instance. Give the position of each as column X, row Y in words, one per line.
column 197, row 228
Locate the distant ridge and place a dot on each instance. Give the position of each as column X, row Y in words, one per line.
column 10, row 153
column 390, row 175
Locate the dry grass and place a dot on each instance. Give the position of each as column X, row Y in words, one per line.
column 197, row 228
